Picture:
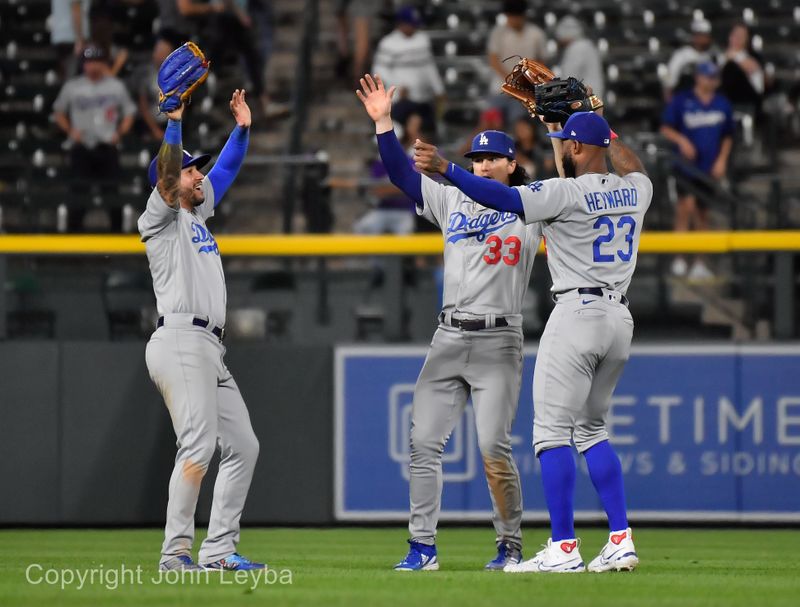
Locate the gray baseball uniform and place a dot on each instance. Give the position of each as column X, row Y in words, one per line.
column 592, row 226
column 95, row 108
column 488, row 258
column 186, row 364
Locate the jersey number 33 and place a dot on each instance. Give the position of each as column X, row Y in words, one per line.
column 507, row 251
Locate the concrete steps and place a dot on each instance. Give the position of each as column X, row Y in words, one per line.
column 716, row 307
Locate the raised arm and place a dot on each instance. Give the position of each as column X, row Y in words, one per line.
column 623, row 159
column 488, row 192
column 170, row 159
column 558, row 154
column 378, row 103
column 232, row 155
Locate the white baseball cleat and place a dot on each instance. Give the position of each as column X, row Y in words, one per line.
column 619, row 554
column 559, row 557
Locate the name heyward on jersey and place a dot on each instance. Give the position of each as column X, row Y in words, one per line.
column 601, row 201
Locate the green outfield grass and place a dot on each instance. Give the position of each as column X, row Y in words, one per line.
column 353, row 567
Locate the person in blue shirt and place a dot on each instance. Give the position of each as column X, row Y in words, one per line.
column 700, row 124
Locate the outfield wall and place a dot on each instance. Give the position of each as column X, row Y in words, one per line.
column 704, row 432
column 707, row 433
column 85, row 438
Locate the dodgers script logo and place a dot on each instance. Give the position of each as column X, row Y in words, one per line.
column 201, row 234
column 478, row 227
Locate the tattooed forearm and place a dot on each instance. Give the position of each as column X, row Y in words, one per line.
column 170, row 158
column 623, row 159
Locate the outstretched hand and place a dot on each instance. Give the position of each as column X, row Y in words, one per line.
column 376, row 99
column 240, row 109
column 427, row 159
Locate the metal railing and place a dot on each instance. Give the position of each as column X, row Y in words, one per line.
column 776, row 277
column 300, row 103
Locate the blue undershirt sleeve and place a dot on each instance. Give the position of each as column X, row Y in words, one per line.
column 488, row 192
column 229, row 162
column 172, row 134
column 397, row 166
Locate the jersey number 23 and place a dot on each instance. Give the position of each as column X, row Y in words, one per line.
column 626, row 225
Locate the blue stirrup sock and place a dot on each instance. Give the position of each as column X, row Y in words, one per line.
column 606, row 474
column 558, row 479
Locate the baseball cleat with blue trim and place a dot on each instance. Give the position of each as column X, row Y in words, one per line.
column 235, row 562
column 507, row 554
column 420, row 557
column 182, row 562
column 619, row 554
column 562, row 556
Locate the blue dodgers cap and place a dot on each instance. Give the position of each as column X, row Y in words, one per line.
column 708, row 69
column 586, row 127
column 188, row 161
column 492, row 142
column 408, row 14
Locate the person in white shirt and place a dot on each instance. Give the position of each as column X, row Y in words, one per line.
column 69, row 31
column 579, row 56
column 515, row 36
column 680, row 69
column 404, row 58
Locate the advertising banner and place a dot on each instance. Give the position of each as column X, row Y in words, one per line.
column 703, row 433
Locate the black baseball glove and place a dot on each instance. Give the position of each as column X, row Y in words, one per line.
column 558, row 99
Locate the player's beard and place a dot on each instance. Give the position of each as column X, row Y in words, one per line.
column 568, row 164
column 193, row 197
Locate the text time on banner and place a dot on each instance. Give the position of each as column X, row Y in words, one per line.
column 702, row 433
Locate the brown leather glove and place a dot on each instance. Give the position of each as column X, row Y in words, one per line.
column 522, row 80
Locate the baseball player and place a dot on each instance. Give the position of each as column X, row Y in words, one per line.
column 185, row 353
column 592, row 221
column 477, row 348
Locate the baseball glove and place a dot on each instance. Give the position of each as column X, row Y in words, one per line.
column 182, row 72
column 558, row 99
column 523, row 79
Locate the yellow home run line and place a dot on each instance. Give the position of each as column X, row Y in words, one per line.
column 348, row 244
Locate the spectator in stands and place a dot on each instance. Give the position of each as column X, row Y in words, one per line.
column 263, row 17
column 102, row 27
column 700, row 124
column 359, row 14
column 516, row 36
column 95, row 111
column 404, row 58
column 742, row 71
column 681, row 66
column 233, row 29
column 579, row 55
column 178, row 18
column 528, row 153
column 394, row 212
column 173, row 26
column 146, row 83
column 69, row 30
